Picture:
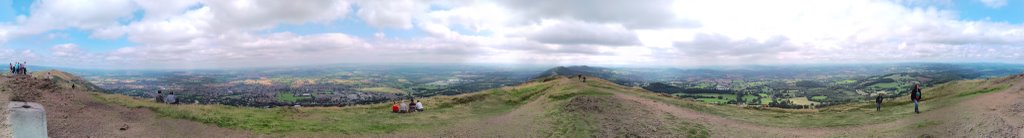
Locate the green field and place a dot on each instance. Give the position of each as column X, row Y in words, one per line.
column 818, row 98
column 749, row 98
column 801, row 101
column 382, row 90
column 713, row 100
column 886, row 85
column 289, row 97
column 725, row 97
column 765, row 101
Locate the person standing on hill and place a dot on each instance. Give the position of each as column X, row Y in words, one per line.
column 159, row 98
column 915, row 95
column 11, row 65
column 17, row 68
column 24, row 69
column 878, row 102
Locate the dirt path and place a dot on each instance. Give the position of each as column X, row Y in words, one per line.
column 999, row 114
column 5, row 97
column 721, row 126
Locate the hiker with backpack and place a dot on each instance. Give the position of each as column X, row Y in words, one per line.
column 915, row 95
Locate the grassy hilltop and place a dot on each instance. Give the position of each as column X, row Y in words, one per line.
column 561, row 106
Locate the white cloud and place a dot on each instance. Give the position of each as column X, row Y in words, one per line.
column 84, row 14
column 260, row 14
column 579, row 33
column 207, row 33
column 632, row 14
column 65, row 50
column 994, row 3
column 391, row 13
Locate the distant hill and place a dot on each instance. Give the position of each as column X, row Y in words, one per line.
column 613, row 75
column 64, row 79
column 669, row 89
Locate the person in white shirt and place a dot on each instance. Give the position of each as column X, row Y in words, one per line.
column 419, row 106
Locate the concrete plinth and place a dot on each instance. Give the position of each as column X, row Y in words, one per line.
column 28, row 119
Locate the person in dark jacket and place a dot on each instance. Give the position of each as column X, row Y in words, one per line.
column 915, row 95
column 878, row 102
column 159, row 98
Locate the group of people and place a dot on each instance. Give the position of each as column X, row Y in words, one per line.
column 168, row 99
column 915, row 96
column 403, row 107
column 18, row 68
column 581, row 77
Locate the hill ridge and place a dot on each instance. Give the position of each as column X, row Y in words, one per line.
column 566, row 106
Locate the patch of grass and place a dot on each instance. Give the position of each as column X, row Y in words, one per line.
column 988, row 90
column 749, row 97
column 885, row 85
column 566, row 94
column 818, row 98
column 360, row 119
column 926, row 123
column 802, row 101
column 289, row 97
column 712, row 100
column 382, row 90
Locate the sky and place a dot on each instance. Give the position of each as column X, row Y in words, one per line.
column 197, row 34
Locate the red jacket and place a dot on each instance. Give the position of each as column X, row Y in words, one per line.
column 394, row 108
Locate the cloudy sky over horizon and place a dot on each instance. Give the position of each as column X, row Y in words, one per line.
column 251, row 33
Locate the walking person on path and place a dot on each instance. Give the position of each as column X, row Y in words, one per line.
column 915, row 95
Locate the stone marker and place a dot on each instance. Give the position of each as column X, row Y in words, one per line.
column 28, row 119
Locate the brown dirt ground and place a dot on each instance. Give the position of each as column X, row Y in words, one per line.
column 75, row 113
column 999, row 114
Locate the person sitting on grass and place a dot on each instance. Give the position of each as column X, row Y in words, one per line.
column 419, row 106
column 394, row 107
column 159, row 98
column 404, row 108
column 171, row 99
column 412, row 106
